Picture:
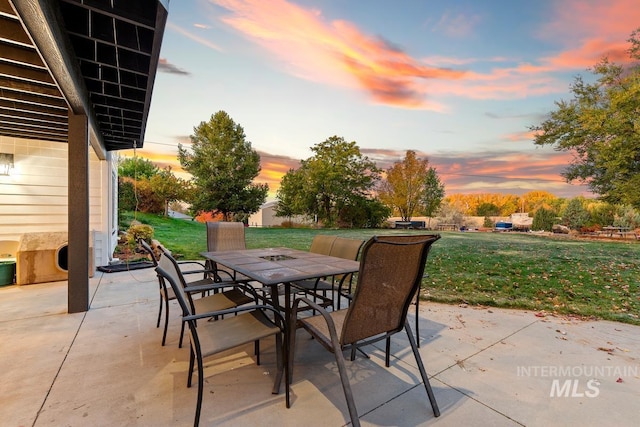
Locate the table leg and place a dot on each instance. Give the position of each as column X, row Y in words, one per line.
column 291, row 327
column 273, row 289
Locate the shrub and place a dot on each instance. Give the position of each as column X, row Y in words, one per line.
column 138, row 195
column 139, row 231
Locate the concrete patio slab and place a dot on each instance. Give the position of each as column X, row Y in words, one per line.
column 488, row 367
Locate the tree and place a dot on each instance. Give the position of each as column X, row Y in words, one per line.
column 127, row 199
column 364, row 212
column 451, row 213
column 290, row 197
column 169, row 188
column 575, row 216
column 533, row 200
column 404, row 187
column 133, row 189
column 146, row 199
column 602, row 213
column 433, row 194
column 543, row 219
column 136, row 168
column 627, row 216
column 335, row 178
column 487, row 209
column 468, row 203
column 223, row 166
column 600, row 128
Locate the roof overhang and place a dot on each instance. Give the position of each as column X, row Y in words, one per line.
column 93, row 57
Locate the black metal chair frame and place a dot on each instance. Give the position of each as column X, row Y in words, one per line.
column 211, row 281
column 257, row 311
column 334, row 342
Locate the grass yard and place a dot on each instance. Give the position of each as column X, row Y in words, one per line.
column 599, row 279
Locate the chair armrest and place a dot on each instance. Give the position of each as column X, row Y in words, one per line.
column 234, row 310
column 323, row 312
column 248, row 289
column 201, row 264
column 202, row 268
column 216, row 274
column 341, row 284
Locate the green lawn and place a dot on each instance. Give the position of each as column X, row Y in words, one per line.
column 598, row 279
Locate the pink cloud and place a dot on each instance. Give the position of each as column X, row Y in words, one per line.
column 494, row 172
column 520, row 136
column 334, row 52
column 611, row 20
column 479, row 172
column 198, row 39
column 590, row 30
column 339, row 53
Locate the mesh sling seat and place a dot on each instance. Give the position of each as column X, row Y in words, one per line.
column 246, row 324
column 389, row 275
column 340, row 247
column 225, row 298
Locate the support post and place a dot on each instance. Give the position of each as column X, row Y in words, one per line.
column 78, row 214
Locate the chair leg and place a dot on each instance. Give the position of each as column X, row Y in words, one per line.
column 423, row 373
column 196, row 422
column 191, row 360
column 418, row 318
column 159, row 313
column 346, row 387
column 387, row 349
column 181, row 335
column 166, row 321
column 256, row 350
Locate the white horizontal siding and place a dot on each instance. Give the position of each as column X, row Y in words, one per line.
column 34, row 198
column 15, row 209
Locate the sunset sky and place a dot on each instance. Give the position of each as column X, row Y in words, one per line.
column 459, row 82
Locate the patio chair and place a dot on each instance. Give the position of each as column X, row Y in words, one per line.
column 340, row 247
column 392, row 238
column 166, row 294
column 222, row 300
column 378, row 310
column 225, row 236
column 250, row 323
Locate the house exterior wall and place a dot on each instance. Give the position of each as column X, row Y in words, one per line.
column 266, row 217
column 34, row 198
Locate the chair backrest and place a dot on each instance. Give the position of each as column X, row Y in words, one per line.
column 149, row 251
column 389, row 276
column 169, row 270
column 346, row 248
column 322, row 244
column 225, row 236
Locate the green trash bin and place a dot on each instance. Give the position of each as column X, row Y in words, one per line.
column 7, row 272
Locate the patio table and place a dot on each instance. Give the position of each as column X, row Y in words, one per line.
column 274, row 266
